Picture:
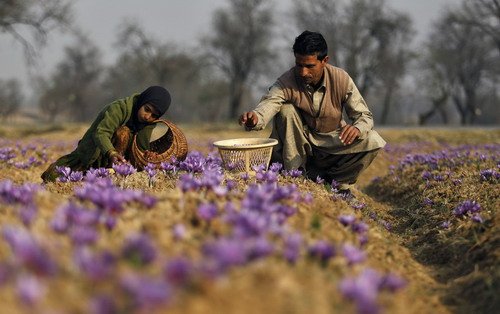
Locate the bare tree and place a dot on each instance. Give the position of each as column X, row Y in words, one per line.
column 10, row 98
column 74, row 87
column 241, row 45
column 460, row 62
column 483, row 14
column 23, row 19
column 145, row 60
column 392, row 33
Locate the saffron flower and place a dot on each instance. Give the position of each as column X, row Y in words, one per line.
column 276, row 167
column 225, row 252
column 320, row 180
column 139, row 250
column 151, row 171
column 179, row 231
column 322, row 250
column 292, row 245
column 28, row 252
column 445, row 225
column 102, row 304
column 476, row 217
column 466, row 207
column 347, row 220
column 124, row 169
column 30, row 289
column 95, row 265
column 207, row 211
column 352, row 254
column 178, row 271
column 83, row 235
column 145, row 292
column 64, row 173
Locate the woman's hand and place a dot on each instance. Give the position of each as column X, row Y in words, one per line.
column 115, row 157
column 348, row 134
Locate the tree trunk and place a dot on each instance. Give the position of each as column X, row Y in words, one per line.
column 387, row 104
column 235, row 97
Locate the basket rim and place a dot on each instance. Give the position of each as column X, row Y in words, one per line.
column 245, row 143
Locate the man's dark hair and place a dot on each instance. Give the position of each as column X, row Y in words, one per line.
column 310, row 43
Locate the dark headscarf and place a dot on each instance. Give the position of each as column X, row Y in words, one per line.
column 157, row 96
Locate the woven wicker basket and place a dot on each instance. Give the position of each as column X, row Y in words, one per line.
column 242, row 154
column 176, row 147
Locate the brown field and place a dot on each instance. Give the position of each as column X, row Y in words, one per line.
column 465, row 280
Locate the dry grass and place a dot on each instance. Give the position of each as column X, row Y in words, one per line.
column 439, row 265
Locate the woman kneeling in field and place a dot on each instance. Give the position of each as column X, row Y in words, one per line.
column 108, row 140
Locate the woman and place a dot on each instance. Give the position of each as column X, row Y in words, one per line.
column 107, row 141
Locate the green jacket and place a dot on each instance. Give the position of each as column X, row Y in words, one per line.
column 96, row 142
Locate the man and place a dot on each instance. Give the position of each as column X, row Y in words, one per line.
column 307, row 103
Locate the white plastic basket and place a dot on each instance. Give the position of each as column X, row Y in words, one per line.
column 242, row 154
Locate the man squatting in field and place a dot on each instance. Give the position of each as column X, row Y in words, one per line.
column 307, row 103
column 108, row 139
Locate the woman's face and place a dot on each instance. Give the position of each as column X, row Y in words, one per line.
column 147, row 114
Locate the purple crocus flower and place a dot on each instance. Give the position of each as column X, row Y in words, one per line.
column 7, row 153
column 14, row 194
column 193, row 163
column 466, row 207
column 64, row 173
column 353, row 254
column 168, row 167
column 347, row 220
column 95, row 265
column 27, row 251
column 363, row 290
column 428, row 201
column 224, row 253
column 359, row 205
column 188, row 182
column 445, row 225
column 179, row 231
column 146, row 292
column 124, row 169
column 207, row 211
column 322, row 250
column 291, row 247
column 276, row 167
column 139, row 249
column 83, row 235
column 392, row 282
column 359, row 227
column 294, row 173
column 363, row 239
column 266, row 176
column 28, row 213
column 103, row 304
column 259, row 248
column 489, row 175
column 179, row 271
column 476, row 217
column 320, row 180
column 335, row 186
column 151, row 170
column 29, row 289
column 76, row 176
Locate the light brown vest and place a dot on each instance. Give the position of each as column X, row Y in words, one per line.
column 330, row 114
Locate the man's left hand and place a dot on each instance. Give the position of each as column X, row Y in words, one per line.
column 348, row 134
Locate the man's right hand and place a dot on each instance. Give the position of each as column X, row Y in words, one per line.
column 249, row 119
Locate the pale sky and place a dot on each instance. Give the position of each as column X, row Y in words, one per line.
column 178, row 21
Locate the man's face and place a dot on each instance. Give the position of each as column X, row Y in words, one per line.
column 147, row 114
column 309, row 68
